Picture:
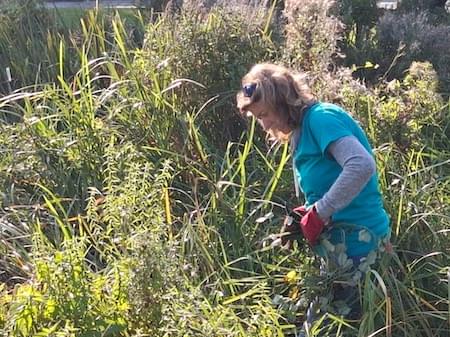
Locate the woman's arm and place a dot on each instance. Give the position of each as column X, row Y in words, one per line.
column 358, row 166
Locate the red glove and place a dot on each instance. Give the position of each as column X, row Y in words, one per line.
column 310, row 223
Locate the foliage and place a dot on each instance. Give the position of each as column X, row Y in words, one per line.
column 311, row 35
column 126, row 212
column 359, row 43
column 14, row 16
column 418, row 38
column 405, row 112
column 420, row 5
column 363, row 14
column 67, row 297
column 392, row 40
column 224, row 43
column 128, row 221
column 40, row 40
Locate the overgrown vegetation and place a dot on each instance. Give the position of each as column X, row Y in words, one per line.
column 135, row 202
column 383, row 44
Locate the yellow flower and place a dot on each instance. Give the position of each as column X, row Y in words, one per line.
column 290, row 277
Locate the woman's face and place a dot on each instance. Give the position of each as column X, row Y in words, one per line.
column 270, row 120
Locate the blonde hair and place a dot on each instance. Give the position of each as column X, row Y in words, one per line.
column 280, row 89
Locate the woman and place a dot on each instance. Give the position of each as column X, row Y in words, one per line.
column 332, row 160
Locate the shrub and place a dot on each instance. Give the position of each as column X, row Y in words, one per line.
column 401, row 111
column 414, row 5
column 213, row 48
column 422, row 41
column 311, row 35
column 67, row 297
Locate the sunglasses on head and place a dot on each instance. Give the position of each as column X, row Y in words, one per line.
column 249, row 89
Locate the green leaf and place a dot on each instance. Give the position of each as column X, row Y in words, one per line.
column 46, row 332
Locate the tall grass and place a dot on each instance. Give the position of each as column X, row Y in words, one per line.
column 126, row 211
column 32, row 40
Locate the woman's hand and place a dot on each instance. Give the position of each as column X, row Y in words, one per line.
column 302, row 222
column 312, row 225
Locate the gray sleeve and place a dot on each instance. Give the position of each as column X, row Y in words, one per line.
column 358, row 166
